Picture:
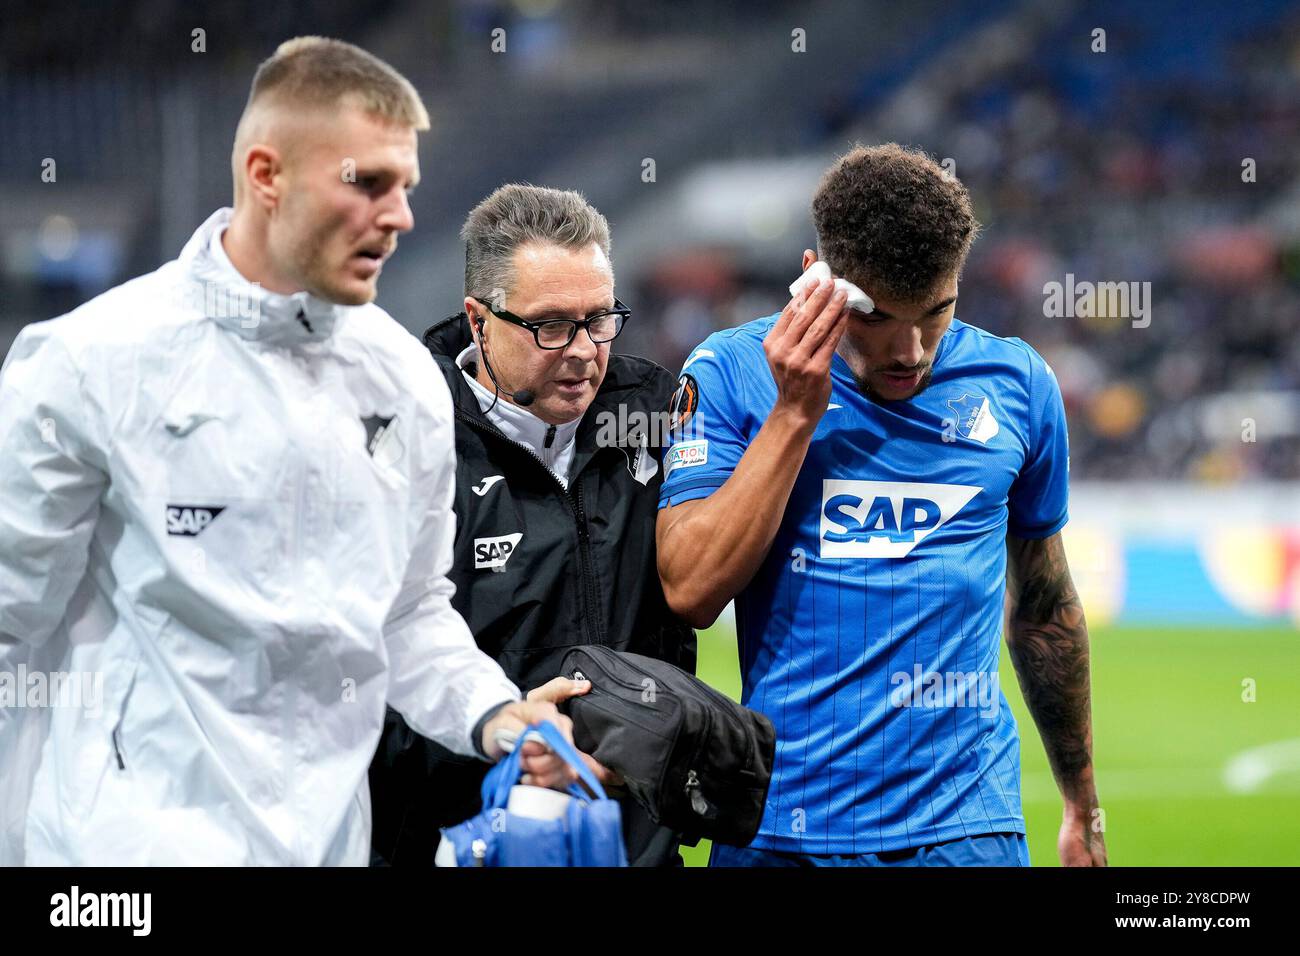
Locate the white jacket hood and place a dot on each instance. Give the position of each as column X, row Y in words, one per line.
column 245, row 308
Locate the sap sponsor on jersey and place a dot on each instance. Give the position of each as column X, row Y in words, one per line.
column 885, row 519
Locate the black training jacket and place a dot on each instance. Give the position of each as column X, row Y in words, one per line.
column 582, row 571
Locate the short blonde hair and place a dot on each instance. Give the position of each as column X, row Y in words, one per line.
column 317, row 72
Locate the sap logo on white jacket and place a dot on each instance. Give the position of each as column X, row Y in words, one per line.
column 190, row 508
column 190, row 521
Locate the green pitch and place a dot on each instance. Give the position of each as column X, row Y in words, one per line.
column 1180, row 776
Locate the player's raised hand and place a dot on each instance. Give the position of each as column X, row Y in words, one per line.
column 800, row 347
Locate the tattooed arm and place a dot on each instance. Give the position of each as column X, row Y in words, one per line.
column 1048, row 640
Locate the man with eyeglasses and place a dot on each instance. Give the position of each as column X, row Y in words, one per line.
column 556, row 495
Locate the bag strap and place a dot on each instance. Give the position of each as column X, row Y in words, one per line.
column 507, row 773
column 497, row 784
column 569, row 754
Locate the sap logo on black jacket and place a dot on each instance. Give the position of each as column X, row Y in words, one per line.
column 495, row 552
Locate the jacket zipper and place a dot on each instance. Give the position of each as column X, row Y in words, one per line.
column 597, row 698
column 590, row 617
column 698, row 803
column 584, row 550
column 117, row 748
column 287, row 715
column 598, row 691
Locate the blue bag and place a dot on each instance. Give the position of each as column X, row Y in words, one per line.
column 590, row 833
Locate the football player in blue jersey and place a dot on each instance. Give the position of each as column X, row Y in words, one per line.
column 868, row 477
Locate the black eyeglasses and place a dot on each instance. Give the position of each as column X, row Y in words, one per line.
column 558, row 333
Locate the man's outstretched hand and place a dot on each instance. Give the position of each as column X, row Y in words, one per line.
column 541, row 767
column 562, row 688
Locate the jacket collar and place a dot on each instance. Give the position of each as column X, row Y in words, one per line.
column 516, row 423
column 218, row 290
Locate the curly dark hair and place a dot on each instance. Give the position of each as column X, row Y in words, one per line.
column 892, row 221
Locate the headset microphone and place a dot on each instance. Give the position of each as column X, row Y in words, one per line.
column 523, row 398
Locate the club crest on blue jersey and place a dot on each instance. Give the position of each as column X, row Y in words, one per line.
column 973, row 417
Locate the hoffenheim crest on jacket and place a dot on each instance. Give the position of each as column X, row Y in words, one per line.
column 974, row 418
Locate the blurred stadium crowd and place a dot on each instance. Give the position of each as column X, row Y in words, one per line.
column 1171, row 156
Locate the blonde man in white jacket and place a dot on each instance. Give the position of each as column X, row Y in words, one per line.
column 225, row 516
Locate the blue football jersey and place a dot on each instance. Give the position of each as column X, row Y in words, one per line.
column 870, row 634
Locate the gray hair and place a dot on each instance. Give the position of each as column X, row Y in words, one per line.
column 516, row 215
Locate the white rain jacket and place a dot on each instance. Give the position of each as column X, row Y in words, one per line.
column 224, row 538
